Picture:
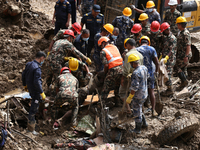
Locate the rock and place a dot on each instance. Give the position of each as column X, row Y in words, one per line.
column 3, row 77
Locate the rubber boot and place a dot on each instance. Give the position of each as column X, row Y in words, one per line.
column 138, row 126
column 144, row 123
column 183, row 78
column 168, row 92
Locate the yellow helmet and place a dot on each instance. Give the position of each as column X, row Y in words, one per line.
column 73, row 64
column 125, row 42
column 150, row 4
column 146, row 38
column 109, row 27
column 133, row 57
column 143, row 17
column 127, row 11
column 181, row 19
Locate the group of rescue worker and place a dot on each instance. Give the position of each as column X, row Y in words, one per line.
column 125, row 56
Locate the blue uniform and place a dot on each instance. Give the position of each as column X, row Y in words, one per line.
column 31, row 77
column 125, row 25
column 73, row 10
column 62, row 11
column 139, row 85
column 149, row 53
column 155, row 16
column 96, row 56
column 94, row 25
column 81, row 45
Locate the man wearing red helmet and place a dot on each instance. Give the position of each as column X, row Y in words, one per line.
column 169, row 49
column 66, row 90
column 61, row 49
column 76, row 28
column 137, row 33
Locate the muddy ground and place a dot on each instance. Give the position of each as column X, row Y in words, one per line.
column 18, row 45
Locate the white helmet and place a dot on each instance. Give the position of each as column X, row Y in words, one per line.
column 173, row 2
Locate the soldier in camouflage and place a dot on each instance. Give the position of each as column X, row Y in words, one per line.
column 67, row 96
column 112, row 62
column 145, row 24
column 184, row 53
column 171, row 15
column 169, row 48
column 62, row 48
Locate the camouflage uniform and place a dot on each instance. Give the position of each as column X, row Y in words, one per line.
column 169, row 44
column 59, row 35
column 137, row 39
column 183, row 40
column 112, row 80
column 171, row 19
column 67, row 85
column 156, row 39
column 125, row 26
column 139, row 85
column 146, row 29
column 61, row 48
column 79, row 73
column 86, row 6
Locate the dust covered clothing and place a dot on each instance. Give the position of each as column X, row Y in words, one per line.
column 183, row 40
column 171, row 19
column 112, row 79
column 137, row 39
column 169, row 44
column 156, row 40
column 149, row 53
column 146, row 29
column 139, row 85
column 61, row 48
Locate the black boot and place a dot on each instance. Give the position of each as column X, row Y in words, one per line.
column 144, row 123
column 183, row 78
column 138, row 126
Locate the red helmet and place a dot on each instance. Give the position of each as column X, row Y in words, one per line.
column 164, row 26
column 136, row 28
column 77, row 27
column 155, row 26
column 64, row 68
column 69, row 32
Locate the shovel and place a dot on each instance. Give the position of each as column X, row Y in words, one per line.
column 122, row 113
column 159, row 105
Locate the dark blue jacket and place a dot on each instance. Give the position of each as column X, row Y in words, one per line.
column 62, row 10
column 80, row 44
column 31, row 77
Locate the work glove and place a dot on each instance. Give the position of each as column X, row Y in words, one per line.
column 89, row 62
column 67, row 58
column 43, row 96
column 129, row 98
column 133, row 6
column 160, row 57
column 166, row 58
column 90, row 74
column 156, row 74
column 25, row 88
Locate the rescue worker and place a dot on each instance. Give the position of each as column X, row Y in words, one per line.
column 156, row 36
column 137, row 33
column 138, row 91
column 86, row 6
column 150, row 57
column 73, row 10
column 130, row 45
column 112, row 61
column 93, row 21
column 62, row 48
column 171, row 15
column 125, row 24
column 169, row 48
column 150, row 11
column 145, row 24
column 77, row 67
column 66, row 89
column 32, row 82
column 114, row 35
column 184, row 53
column 62, row 13
column 106, row 30
column 81, row 41
column 76, row 28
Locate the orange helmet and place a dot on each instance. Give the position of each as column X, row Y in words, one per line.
column 69, row 32
column 103, row 39
column 155, row 26
column 77, row 27
column 164, row 26
column 136, row 28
